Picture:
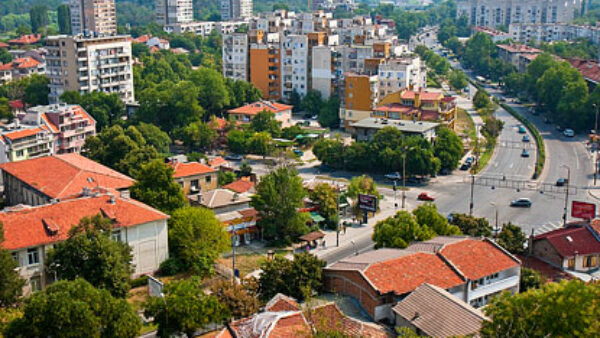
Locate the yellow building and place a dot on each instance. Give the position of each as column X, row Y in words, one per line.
column 195, row 177
column 359, row 98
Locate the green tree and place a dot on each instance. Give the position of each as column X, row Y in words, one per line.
column 36, row 90
column 329, row 113
column 260, row 144
column 530, row 279
column 64, row 19
column 226, row 177
column 265, row 121
column 326, row 198
column 291, row 132
column 427, row 214
column 105, row 108
column 399, row 231
column 534, row 313
column 91, row 253
column 184, row 309
column 155, row 186
column 298, row 278
column 481, row 100
column 458, row 80
column 198, row 135
column 362, row 185
column 5, row 111
column 197, row 238
column 75, row 309
column 213, row 94
column 237, row 140
column 39, row 17
column 278, row 196
column 472, row 226
column 132, row 163
column 239, row 300
column 11, row 283
column 5, row 56
column 155, row 137
column 512, row 238
column 245, row 169
column 312, row 102
column 448, row 148
column 112, row 146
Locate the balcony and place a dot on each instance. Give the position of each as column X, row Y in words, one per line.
column 494, row 287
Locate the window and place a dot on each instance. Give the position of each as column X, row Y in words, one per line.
column 194, row 184
column 33, row 256
column 208, row 179
column 15, row 256
column 35, row 283
column 20, row 153
column 589, row 261
column 116, row 235
column 571, row 263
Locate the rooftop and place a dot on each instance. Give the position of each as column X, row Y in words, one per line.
column 190, row 169
column 26, row 39
column 405, row 126
column 259, row 106
column 66, row 175
column 490, row 31
column 425, row 96
column 19, row 134
column 437, row 313
column 590, row 69
column 571, row 241
column 518, row 48
column 240, row 186
column 219, row 198
column 32, row 226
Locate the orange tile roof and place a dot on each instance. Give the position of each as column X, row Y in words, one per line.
column 240, row 186
column 329, row 318
column 77, row 110
column 272, row 324
column 6, row 66
column 32, row 226
column 281, row 302
column 25, row 62
column 489, row 258
column 425, row 96
column 258, row 106
column 219, row 123
column 65, row 175
column 404, row 274
column 26, row 39
column 50, row 125
column 15, row 135
column 291, row 327
column 518, row 48
column 142, row 39
column 217, row 161
column 190, row 169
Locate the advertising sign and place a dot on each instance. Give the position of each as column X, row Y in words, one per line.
column 583, row 210
column 367, row 202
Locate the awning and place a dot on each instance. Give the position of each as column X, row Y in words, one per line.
column 313, row 236
column 316, row 217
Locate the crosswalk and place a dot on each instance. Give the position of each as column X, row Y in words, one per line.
column 544, row 228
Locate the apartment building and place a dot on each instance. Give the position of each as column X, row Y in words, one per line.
column 361, row 94
column 87, row 64
column 265, row 69
column 98, row 16
column 30, row 232
column 19, row 142
column 512, row 53
column 70, row 125
column 294, row 65
column 235, row 56
column 204, row 28
column 170, row 12
column 236, row 9
column 401, row 73
column 550, row 32
column 493, row 13
column 21, row 68
column 322, row 76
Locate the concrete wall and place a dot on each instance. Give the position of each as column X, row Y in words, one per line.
column 17, row 192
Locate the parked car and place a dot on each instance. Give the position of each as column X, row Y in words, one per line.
column 525, row 153
column 393, row 176
column 298, row 152
column 425, row 197
column 522, row 130
column 569, row 133
column 561, row 182
column 234, row 157
column 521, row 202
column 469, row 160
column 525, row 138
column 465, row 166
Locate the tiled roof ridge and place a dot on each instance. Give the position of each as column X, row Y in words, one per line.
column 140, row 204
column 111, row 173
column 456, row 300
column 451, row 265
column 280, row 316
column 33, row 208
column 499, row 247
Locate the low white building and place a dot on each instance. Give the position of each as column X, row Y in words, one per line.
column 31, row 231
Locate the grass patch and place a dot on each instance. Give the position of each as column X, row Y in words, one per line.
column 248, row 263
column 465, row 124
column 484, row 158
column 336, row 179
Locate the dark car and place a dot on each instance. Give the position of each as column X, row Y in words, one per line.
column 525, row 153
column 561, row 182
column 521, row 202
column 525, row 138
column 465, row 166
column 234, row 157
column 547, row 120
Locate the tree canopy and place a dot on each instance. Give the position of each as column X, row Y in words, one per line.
column 11, row 283
column 155, row 186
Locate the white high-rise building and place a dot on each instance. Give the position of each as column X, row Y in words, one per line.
column 170, row 12
column 93, row 16
column 235, row 56
column 89, row 64
column 294, row 65
column 401, row 73
column 236, row 9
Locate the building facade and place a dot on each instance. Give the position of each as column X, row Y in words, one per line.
column 93, row 16
column 19, row 143
column 89, row 64
column 195, row 178
column 265, row 69
column 294, row 65
column 235, row 56
column 236, row 9
column 245, row 114
column 492, row 13
column 322, row 70
column 401, row 73
column 169, row 12
column 21, row 68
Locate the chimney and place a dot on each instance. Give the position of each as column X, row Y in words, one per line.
column 125, row 194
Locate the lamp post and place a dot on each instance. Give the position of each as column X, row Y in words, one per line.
column 595, row 144
column 566, row 194
column 496, row 228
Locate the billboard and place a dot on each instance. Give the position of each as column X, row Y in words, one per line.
column 367, row 202
column 583, row 210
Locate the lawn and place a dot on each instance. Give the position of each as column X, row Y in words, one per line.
column 248, row 263
column 465, row 124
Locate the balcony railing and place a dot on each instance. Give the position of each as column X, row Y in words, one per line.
column 494, row 287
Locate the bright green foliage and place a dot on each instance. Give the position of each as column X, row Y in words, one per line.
column 530, row 279
column 362, row 185
column 245, row 169
column 565, row 309
column 399, row 231
column 155, row 186
column 11, row 283
column 198, row 135
column 105, row 108
column 265, row 121
column 472, row 226
column 458, row 80
column 226, row 177
column 240, row 300
column 185, row 308
column 512, row 238
column 36, row 89
column 155, row 137
column 242, row 92
column 90, row 253
column 260, row 144
column 278, row 195
column 197, row 238
column 213, row 94
column 481, row 100
column 5, row 112
column 448, row 148
column 5, row 56
column 75, row 309
column 298, row 278
column 236, row 141
column 325, row 196
column 428, row 215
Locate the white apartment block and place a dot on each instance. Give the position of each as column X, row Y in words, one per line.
column 170, row 12
column 235, row 56
column 236, row 9
column 525, row 33
column 99, row 16
column 352, row 58
column 493, row 13
column 204, row 28
column 294, row 65
column 322, row 70
column 89, row 64
column 398, row 74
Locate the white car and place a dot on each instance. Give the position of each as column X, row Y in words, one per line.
column 569, row 133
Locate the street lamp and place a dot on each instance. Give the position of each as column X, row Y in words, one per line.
column 596, row 145
column 566, row 194
column 496, row 229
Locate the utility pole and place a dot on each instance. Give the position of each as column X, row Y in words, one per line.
column 337, row 217
column 496, row 229
column 595, row 144
column 472, row 189
column 566, row 194
column 233, row 250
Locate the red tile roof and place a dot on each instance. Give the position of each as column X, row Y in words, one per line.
column 258, row 106
column 15, row 135
column 281, row 302
column 240, row 186
column 32, row 226
column 26, row 39
column 477, row 258
column 16, row 104
column 518, row 48
column 571, row 241
column 76, row 110
column 219, row 123
column 190, row 169
column 65, row 175
column 549, row 272
column 6, row 66
column 291, row 327
column 3, row 45
column 404, row 274
column 217, row 162
column 142, row 39
column 397, row 108
column 272, row 324
column 589, row 69
column 425, row 96
column 25, row 62
column 329, row 318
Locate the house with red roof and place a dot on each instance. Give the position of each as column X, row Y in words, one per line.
column 21, row 142
column 573, row 249
column 471, row 269
column 242, row 186
column 71, row 125
column 194, row 177
column 31, row 231
column 59, row 177
column 511, row 53
column 27, row 39
column 21, row 68
column 245, row 114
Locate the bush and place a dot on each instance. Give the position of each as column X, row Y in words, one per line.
column 171, row 266
column 140, row 281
